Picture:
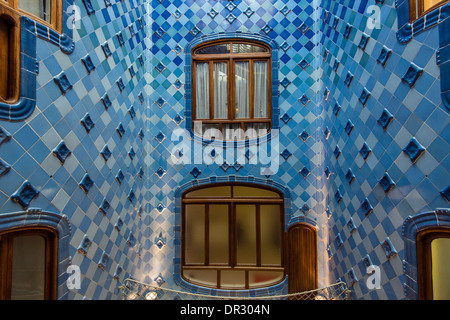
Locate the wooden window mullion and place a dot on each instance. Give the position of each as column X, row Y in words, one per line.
column 206, row 262
column 258, row 235
column 211, row 90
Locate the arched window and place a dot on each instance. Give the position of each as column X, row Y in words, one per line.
column 232, row 89
column 28, row 264
column 433, row 260
column 232, row 236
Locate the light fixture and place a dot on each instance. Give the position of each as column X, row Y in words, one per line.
column 132, row 296
column 152, row 295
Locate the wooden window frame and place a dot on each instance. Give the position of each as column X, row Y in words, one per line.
column 55, row 13
column 231, row 58
column 417, row 10
column 424, row 267
column 231, row 201
column 6, row 250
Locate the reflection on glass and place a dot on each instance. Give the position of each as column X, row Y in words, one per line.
column 232, row 279
column 246, row 234
column 195, row 234
column 204, row 277
column 202, row 90
column 247, row 48
column 220, row 90
column 260, row 83
column 242, row 89
column 28, row 268
column 218, row 234
column 38, row 8
column 440, row 262
column 270, row 235
column 210, row 192
column 215, row 49
column 264, row 278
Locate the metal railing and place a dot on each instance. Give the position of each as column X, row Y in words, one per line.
column 134, row 290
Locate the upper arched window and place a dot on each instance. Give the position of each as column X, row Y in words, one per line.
column 231, row 89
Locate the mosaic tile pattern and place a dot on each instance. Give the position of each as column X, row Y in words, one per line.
column 397, row 150
column 64, row 157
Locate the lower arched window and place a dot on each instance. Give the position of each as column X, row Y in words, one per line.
column 28, row 264
column 433, row 260
column 232, row 237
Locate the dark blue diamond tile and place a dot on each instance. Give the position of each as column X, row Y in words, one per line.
column 348, row 29
column 349, row 176
column 63, row 82
column 285, row 118
column 303, row 64
column 446, row 193
column 131, row 153
column 412, row 74
column 414, row 149
column 106, row 101
column 286, row 154
column 304, row 99
column 304, row 135
column 160, row 172
column 118, row 225
column 160, row 207
column 120, row 84
column 120, row 176
column 195, row 172
column 120, row 130
column 103, row 261
column 178, row 119
column 336, row 109
column 4, row 135
column 4, row 167
column 385, row 53
column 285, row 82
column 104, row 206
column 385, row 118
column 120, row 38
column 365, row 151
column 84, row 245
column 348, row 79
column 351, row 225
column 349, row 127
column 61, row 151
column 338, row 196
column 304, row 172
column 25, row 194
column 132, row 112
column 337, row 152
column 89, row 8
column 327, row 172
column 338, row 241
column 160, row 136
column 106, row 153
column 87, row 123
column 363, row 42
column 326, row 133
column 365, row 95
column 88, row 64
column 131, row 196
column 386, row 182
column 86, row 183
column 366, row 207
column 388, row 248
column 106, row 49
column 305, row 209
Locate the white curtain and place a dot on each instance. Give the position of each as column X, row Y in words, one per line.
column 242, row 89
column 260, row 82
column 202, row 90
column 220, row 90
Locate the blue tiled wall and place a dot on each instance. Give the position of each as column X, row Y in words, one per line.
column 363, row 134
column 65, row 156
column 394, row 160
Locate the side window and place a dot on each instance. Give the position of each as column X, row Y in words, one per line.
column 418, row 8
column 28, row 265
column 433, row 259
column 231, row 89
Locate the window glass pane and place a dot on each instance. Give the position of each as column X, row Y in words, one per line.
column 244, row 191
column 427, row 4
column 260, row 87
column 38, row 8
column 232, row 279
column 5, row 49
column 28, row 268
column 215, row 49
column 195, row 234
column 223, row 191
column 270, row 234
column 205, row 277
column 218, row 234
column 440, row 262
column 220, row 90
column 258, row 129
column 233, row 132
column 247, row 48
column 246, row 234
column 242, row 89
column 202, row 90
column 264, row 278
